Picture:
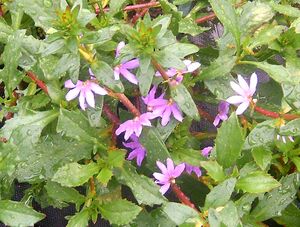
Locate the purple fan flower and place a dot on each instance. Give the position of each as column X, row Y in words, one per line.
column 189, row 169
column 279, row 137
column 206, row 151
column 134, row 126
column 138, row 151
column 85, row 90
column 223, row 109
column 245, row 92
column 189, row 68
column 168, row 175
column 161, row 107
column 124, row 67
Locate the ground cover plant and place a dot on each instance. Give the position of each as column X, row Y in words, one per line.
column 191, row 106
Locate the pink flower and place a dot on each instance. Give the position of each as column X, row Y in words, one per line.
column 85, row 90
column 124, row 67
column 134, row 126
column 206, row 151
column 138, row 151
column 223, row 109
column 189, row 169
column 168, row 175
column 245, row 92
column 161, row 107
column 189, row 68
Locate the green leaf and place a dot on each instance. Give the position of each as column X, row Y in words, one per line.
column 179, row 213
column 18, row 214
column 229, row 148
column 189, row 26
column 262, row 135
column 74, row 174
column 145, row 74
column 42, row 14
column 10, row 57
column 168, row 60
column 296, row 161
column 222, row 66
column 262, row 156
column 290, row 217
column 24, row 131
column 119, row 212
column 115, row 6
column 46, row 157
column 116, row 158
column 228, row 16
column 69, row 195
column 156, row 148
column 228, row 216
column 244, row 204
column 180, row 50
column 278, row 199
column 257, row 182
column 291, row 94
column 185, row 101
column 144, row 189
column 220, row 194
column 104, row 73
column 104, row 176
column 277, row 72
column 285, row 9
column 101, row 36
column 74, row 124
column 80, row 219
column 214, row 170
column 220, row 87
column 292, row 128
column 69, row 63
column 187, row 155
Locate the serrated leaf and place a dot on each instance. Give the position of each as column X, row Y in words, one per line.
column 229, row 148
column 119, row 212
column 18, row 214
column 214, row 170
column 285, row 9
column 143, row 188
column 179, row 213
column 156, row 148
column 278, row 199
column 228, row 16
column 116, row 158
column 185, row 101
column 74, row 174
column 257, row 182
column 262, row 156
column 189, row 26
column 105, row 74
column 80, row 219
column 181, row 50
column 104, row 176
column 65, row 194
column 292, row 128
column 220, row 194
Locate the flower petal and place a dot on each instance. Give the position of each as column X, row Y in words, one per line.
column 90, row 98
column 216, row 121
column 72, row 94
column 97, row 89
column 82, row 100
column 193, row 66
column 161, row 177
column 119, row 47
column 91, row 72
column 178, row 170
column 170, row 165
column 129, row 76
column 69, row 84
column 242, row 107
column 253, row 83
column 237, row 88
column 162, row 167
column 236, row 99
column 243, row 84
column 117, row 73
column 128, row 133
column 176, row 112
column 131, row 64
column 163, row 189
column 166, row 116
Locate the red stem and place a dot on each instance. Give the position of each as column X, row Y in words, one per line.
column 160, row 69
column 205, row 115
column 1, row 11
column 205, row 18
column 182, row 197
column 141, row 6
column 126, row 102
column 140, row 14
column 272, row 114
column 110, row 115
column 40, row 83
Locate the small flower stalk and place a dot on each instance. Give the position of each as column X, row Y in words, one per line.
column 245, row 93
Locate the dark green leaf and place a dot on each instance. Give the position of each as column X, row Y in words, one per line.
column 257, row 182
column 278, row 199
column 220, row 194
column 179, row 213
column 18, row 214
column 290, row 217
column 189, row 26
column 262, row 156
column 214, row 170
column 220, row 87
column 74, row 174
column 143, row 188
column 229, row 148
column 156, row 148
column 119, row 212
column 104, row 73
column 145, row 74
column 185, row 101
column 80, row 219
